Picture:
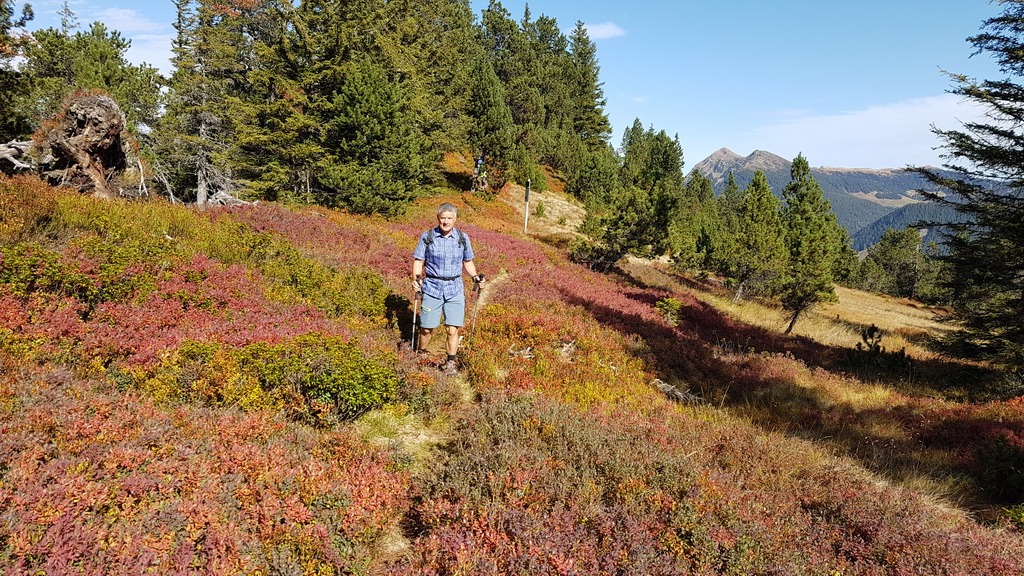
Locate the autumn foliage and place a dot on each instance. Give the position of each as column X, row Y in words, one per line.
column 189, row 392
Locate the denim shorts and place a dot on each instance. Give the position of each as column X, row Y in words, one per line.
column 454, row 311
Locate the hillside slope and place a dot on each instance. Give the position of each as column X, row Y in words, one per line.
column 215, row 443
column 859, row 197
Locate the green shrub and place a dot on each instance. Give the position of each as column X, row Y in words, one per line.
column 357, row 292
column 670, row 308
column 319, row 380
column 334, row 379
column 26, row 268
column 1015, row 514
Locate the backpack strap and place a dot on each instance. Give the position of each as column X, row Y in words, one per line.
column 428, row 238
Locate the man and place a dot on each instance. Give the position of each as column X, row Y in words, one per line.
column 440, row 256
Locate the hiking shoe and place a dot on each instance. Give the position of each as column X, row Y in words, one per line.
column 449, row 367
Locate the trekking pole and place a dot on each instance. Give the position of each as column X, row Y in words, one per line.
column 476, row 301
column 416, row 297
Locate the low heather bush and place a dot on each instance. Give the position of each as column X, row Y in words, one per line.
column 26, row 204
column 1000, row 467
column 96, row 481
column 317, row 379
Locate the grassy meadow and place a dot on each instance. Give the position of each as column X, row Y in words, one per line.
column 231, row 391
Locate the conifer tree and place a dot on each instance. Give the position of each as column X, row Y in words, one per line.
column 694, row 227
column 379, row 155
column 894, row 265
column 985, row 255
column 60, row 61
column 593, row 176
column 432, row 45
column 760, row 255
column 587, row 91
column 653, row 163
column 196, row 130
column 813, row 238
column 9, row 41
column 492, row 134
column 15, row 124
column 651, row 160
column 729, row 208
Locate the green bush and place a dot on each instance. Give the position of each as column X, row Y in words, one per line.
column 671, row 309
column 26, row 268
column 357, row 292
column 26, row 204
column 333, row 378
column 1015, row 514
column 319, row 380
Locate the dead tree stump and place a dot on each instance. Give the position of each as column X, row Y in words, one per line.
column 86, row 143
column 84, row 146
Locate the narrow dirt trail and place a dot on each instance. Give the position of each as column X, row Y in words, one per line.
column 418, row 439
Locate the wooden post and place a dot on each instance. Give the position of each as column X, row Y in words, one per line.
column 526, row 210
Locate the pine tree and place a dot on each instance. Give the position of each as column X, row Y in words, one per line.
column 432, row 45
column 986, row 253
column 59, row 62
column 493, row 132
column 195, row 132
column 760, row 245
column 729, row 208
column 898, row 262
column 694, row 225
column 651, row 160
column 14, row 122
column 593, row 177
column 379, row 153
column 587, row 91
column 813, row 237
column 9, row 41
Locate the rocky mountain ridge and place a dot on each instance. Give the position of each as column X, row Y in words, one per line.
column 859, row 196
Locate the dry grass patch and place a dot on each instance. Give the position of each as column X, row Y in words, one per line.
column 904, row 324
column 562, row 214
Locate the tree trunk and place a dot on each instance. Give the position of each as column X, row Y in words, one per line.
column 738, row 295
column 82, row 164
column 84, row 146
column 792, row 321
column 202, row 173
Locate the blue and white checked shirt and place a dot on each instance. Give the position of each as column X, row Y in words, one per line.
column 442, row 262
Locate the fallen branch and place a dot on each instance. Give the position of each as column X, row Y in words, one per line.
column 14, row 151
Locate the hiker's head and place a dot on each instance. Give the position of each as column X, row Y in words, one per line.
column 446, row 214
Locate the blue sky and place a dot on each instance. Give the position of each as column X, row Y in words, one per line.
column 847, row 84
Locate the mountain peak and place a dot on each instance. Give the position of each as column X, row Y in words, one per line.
column 765, row 161
column 718, row 164
column 724, row 154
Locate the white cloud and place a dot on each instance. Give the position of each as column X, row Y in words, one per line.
column 887, row 136
column 129, row 22
column 151, row 39
column 604, row 30
column 153, row 49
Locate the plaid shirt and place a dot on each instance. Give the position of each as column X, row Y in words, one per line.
column 442, row 262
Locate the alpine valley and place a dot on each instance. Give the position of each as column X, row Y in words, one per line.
column 866, row 201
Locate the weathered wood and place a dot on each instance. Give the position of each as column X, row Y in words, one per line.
column 87, row 140
column 83, row 146
column 16, row 152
